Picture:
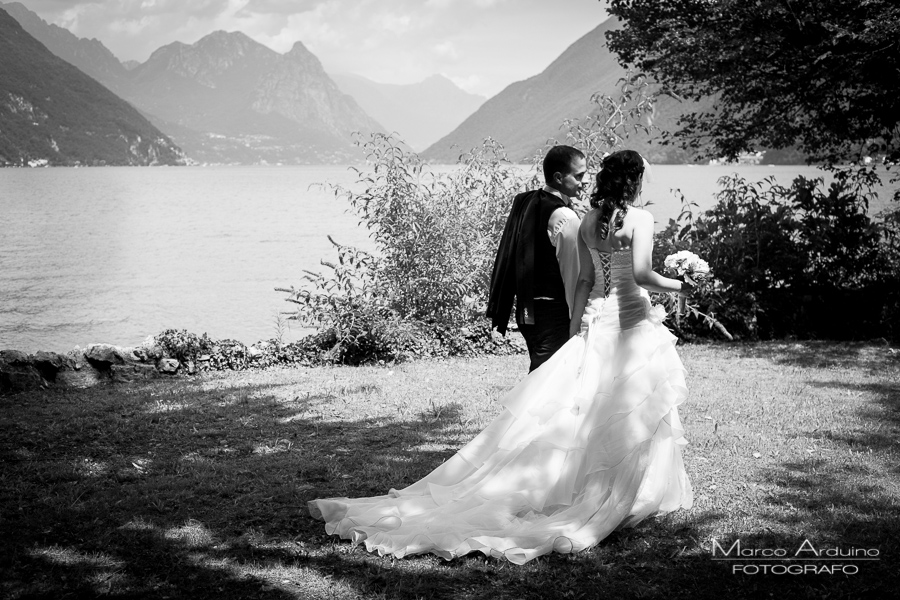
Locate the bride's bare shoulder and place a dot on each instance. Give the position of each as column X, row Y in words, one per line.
column 592, row 214
column 640, row 213
column 589, row 220
column 639, row 216
column 589, row 224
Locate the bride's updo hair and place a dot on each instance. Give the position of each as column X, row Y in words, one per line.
column 617, row 186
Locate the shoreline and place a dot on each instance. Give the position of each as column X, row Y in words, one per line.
column 97, row 364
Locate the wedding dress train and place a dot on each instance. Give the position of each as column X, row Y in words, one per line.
column 587, row 443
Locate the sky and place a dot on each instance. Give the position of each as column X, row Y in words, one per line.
column 481, row 45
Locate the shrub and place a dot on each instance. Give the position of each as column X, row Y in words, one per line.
column 435, row 236
column 799, row 261
column 183, row 345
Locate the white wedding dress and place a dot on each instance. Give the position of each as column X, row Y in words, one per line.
column 587, row 443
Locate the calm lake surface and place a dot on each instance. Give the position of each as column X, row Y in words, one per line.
column 112, row 255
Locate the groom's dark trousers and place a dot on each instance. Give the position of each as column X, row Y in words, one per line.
column 526, row 272
column 549, row 332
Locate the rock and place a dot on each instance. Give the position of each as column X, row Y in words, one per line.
column 167, row 365
column 133, row 372
column 129, row 355
column 48, row 360
column 149, row 350
column 254, row 352
column 14, row 357
column 18, row 377
column 75, row 358
column 49, row 364
column 104, row 355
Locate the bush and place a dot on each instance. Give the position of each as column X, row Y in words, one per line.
column 800, row 261
column 183, row 345
column 435, row 237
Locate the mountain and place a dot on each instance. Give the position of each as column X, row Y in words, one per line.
column 90, row 56
column 227, row 98
column 420, row 113
column 526, row 114
column 52, row 113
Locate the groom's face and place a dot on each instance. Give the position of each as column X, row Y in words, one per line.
column 571, row 183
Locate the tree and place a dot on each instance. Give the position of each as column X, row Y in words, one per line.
column 819, row 75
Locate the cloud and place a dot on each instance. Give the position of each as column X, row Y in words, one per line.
column 446, row 50
column 277, row 7
column 395, row 23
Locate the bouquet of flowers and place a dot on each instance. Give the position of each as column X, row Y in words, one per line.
column 686, row 266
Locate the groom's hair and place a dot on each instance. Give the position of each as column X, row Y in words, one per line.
column 559, row 159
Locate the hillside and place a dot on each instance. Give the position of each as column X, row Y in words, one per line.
column 421, row 113
column 526, row 114
column 52, row 113
column 90, row 56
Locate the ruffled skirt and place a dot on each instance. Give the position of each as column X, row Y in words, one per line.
column 588, row 443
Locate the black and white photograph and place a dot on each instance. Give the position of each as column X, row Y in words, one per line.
column 449, row 299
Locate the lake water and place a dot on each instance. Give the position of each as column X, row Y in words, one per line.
column 112, row 255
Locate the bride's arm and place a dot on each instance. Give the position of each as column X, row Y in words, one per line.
column 642, row 255
column 585, row 277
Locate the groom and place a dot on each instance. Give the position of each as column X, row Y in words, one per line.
column 537, row 262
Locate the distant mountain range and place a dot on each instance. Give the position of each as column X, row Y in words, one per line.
column 237, row 95
column 228, row 99
column 51, row 113
column 420, row 113
column 225, row 98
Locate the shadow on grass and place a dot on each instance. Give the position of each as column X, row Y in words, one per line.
column 820, row 354
column 173, row 491
column 177, row 491
column 881, row 419
column 844, row 494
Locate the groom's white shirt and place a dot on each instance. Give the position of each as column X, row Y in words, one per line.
column 563, row 231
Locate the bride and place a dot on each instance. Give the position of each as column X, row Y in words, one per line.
column 587, row 443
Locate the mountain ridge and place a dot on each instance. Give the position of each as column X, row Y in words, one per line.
column 89, row 55
column 52, row 113
column 232, row 97
column 226, row 98
column 527, row 114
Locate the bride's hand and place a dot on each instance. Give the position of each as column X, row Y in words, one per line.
column 686, row 289
column 574, row 329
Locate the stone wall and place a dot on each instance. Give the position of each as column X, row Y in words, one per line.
column 82, row 368
column 167, row 355
column 173, row 353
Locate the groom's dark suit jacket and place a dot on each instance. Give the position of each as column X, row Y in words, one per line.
column 526, row 266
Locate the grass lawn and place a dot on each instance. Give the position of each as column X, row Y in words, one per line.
column 197, row 488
